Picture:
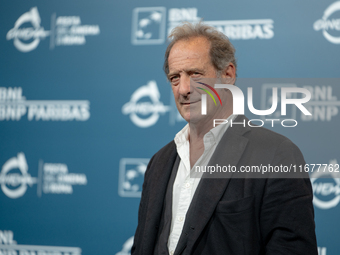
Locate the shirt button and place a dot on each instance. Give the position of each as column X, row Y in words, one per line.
column 187, row 185
column 171, row 252
column 180, row 218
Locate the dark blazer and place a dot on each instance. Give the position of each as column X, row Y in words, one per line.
column 235, row 216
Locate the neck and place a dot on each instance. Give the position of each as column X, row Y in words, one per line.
column 199, row 129
column 196, row 135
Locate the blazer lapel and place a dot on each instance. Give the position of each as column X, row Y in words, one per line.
column 159, row 182
column 209, row 191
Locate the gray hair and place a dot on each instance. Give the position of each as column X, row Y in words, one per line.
column 222, row 52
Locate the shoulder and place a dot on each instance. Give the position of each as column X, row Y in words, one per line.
column 265, row 138
column 244, row 127
column 165, row 152
column 264, row 144
column 270, row 141
column 162, row 157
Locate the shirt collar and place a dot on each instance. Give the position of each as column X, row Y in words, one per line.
column 182, row 136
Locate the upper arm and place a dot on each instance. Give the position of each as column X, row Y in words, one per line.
column 141, row 210
column 287, row 214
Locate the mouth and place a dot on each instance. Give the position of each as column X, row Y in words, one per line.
column 189, row 103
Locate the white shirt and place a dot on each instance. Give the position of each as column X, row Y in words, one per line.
column 184, row 187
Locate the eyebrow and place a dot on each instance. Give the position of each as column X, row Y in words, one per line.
column 190, row 70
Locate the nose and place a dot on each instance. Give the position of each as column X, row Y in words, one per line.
column 184, row 85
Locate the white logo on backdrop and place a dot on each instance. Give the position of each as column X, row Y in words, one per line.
column 9, row 246
column 322, row 250
column 18, row 181
column 126, row 250
column 57, row 179
column 326, row 188
column 234, row 29
column 68, row 30
column 53, row 178
column 151, row 110
column 326, row 24
column 13, row 106
column 323, row 105
column 65, row 30
column 148, row 25
column 131, row 176
column 21, row 35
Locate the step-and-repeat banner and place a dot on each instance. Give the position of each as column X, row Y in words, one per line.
column 84, row 104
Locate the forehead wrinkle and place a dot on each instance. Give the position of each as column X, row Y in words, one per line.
column 192, row 55
column 188, row 55
column 186, row 70
column 180, row 61
column 187, row 46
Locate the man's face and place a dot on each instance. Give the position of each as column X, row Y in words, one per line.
column 189, row 59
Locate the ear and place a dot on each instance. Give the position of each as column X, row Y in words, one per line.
column 229, row 73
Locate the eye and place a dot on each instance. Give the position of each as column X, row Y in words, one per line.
column 174, row 79
column 195, row 74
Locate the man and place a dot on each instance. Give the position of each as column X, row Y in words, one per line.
column 183, row 215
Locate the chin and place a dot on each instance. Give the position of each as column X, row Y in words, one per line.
column 192, row 115
column 198, row 122
column 186, row 117
column 196, row 119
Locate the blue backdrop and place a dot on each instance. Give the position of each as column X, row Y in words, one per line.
column 84, row 104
